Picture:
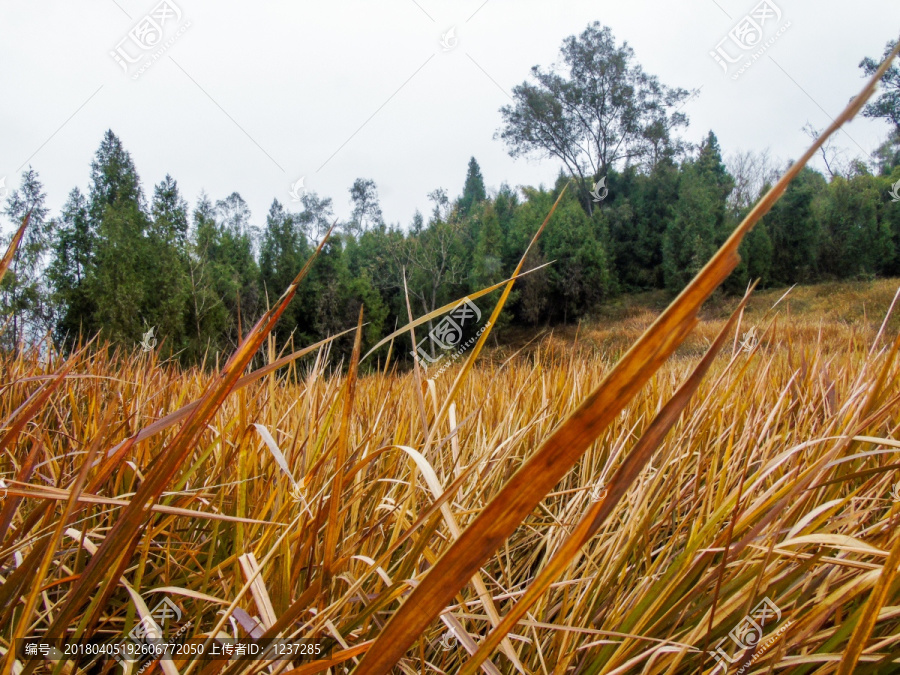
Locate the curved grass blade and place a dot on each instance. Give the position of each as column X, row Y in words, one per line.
column 7, row 259
column 446, row 308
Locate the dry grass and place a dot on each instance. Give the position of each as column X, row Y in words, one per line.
column 732, row 463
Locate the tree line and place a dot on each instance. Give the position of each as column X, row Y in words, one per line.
column 117, row 262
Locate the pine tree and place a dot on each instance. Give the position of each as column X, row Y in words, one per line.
column 473, row 190
column 699, row 222
column 283, row 251
column 166, row 265
column 73, row 253
column 119, row 223
column 23, row 293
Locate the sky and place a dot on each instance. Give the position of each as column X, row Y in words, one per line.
column 255, row 96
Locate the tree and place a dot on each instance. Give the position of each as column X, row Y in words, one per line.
column 473, row 190
column 605, row 110
column 487, row 261
column 751, row 172
column 435, row 259
column 795, row 230
column 316, row 217
column 165, row 270
column 169, row 211
column 853, row 241
column 73, row 253
column 890, row 216
column 699, row 222
column 441, row 210
column 118, row 221
column 240, row 288
column 207, row 314
column 366, row 208
column 23, row 292
column 581, row 276
column 283, row 251
column 637, row 219
column 886, row 107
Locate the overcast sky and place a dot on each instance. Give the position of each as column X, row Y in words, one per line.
column 252, row 96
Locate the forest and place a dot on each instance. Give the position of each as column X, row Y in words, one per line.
column 121, row 260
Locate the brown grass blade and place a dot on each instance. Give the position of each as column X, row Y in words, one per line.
column 446, row 308
column 21, row 628
column 560, row 451
column 20, row 489
column 333, row 529
column 7, row 259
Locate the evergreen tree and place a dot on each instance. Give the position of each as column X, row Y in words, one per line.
column 238, row 272
column 473, row 190
column 795, row 230
column 487, row 262
column 117, row 283
column 207, row 316
column 166, row 268
column 853, row 242
column 73, row 253
column 23, row 293
column 638, row 214
column 283, row 251
column 169, row 211
column 698, row 224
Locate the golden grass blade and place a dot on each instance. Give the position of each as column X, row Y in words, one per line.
column 417, row 370
column 446, row 308
column 20, row 489
column 7, row 259
column 437, row 491
column 14, row 424
column 336, row 659
column 559, row 452
column 616, row 489
column 258, row 590
column 333, row 528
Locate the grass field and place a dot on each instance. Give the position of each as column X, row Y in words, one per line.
column 719, row 496
column 775, row 481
